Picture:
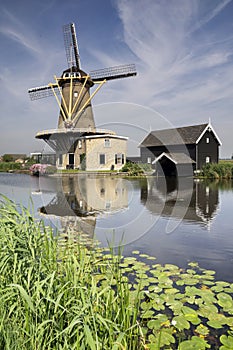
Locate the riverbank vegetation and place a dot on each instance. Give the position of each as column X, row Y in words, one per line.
column 134, row 169
column 67, row 293
column 221, row 170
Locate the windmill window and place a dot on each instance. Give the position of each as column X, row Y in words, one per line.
column 207, row 160
column 119, row 158
column 75, row 94
column 207, row 140
column 107, row 143
column 102, row 159
column 79, row 143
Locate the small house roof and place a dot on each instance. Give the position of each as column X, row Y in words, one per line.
column 176, row 136
column 176, row 158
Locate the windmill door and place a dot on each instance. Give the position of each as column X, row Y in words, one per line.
column 71, row 161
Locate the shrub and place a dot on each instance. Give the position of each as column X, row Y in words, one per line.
column 6, row 166
column 133, row 169
column 222, row 170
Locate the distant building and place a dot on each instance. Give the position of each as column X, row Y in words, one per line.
column 181, row 150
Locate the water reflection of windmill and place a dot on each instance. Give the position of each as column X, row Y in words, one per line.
column 79, row 199
column 76, row 119
column 187, row 200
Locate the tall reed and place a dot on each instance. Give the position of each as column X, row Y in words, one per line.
column 60, row 296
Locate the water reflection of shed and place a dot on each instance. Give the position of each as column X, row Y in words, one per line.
column 188, row 200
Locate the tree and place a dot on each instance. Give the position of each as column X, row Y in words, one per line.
column 7, row 158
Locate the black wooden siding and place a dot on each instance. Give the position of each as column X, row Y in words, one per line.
column 205, row 149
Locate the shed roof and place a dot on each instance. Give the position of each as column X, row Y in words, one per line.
column 176, row 136
column 177, row 158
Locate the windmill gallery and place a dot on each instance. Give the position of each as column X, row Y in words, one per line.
column 76, row 140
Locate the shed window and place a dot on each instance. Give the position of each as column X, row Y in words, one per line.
column 207, row 140
column 207, row 160
column 102, row 159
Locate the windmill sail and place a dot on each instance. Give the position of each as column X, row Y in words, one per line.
column 37, row 93
column 117, row 72
column 71, row 46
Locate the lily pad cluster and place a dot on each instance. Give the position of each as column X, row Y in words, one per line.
column 181, row 308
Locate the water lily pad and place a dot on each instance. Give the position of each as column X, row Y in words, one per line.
column 135, row 252
column 191, row 271
column 144, row 255
column 209, row 272
column 195, row 343
column 161, row 317
column 227, row 342
column 154, row 324
column 208, row 311
column 155, row 289
column 147, row 314
column 207, row 282
column 208, row 296
column 171, row 291
column 176, row 307
column 223, row 283
column 162, row 338
column 180, row 322
column 225, row 301
column 214, row 324
column 180, row 283
column 193, row 264
column 191, row 291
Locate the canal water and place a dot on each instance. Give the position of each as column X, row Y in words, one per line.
column 176, row 221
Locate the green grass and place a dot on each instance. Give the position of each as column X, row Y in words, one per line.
column 67, row 293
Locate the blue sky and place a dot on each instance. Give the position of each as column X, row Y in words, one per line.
column 183, row 51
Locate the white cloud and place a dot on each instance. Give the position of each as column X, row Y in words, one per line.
column 185, row 67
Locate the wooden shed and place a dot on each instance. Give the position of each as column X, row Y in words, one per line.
column 181, row 150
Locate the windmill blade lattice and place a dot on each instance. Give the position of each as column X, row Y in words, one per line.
column 71, row 46
column 117, row 72
column 42, row 92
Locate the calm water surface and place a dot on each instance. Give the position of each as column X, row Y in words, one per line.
column 175, row 221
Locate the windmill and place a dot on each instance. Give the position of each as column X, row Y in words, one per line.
column 74, row 88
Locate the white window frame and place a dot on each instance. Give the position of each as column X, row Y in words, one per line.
column 207, row 140
column 107, row 143
column 207, row 160
column 119, row 158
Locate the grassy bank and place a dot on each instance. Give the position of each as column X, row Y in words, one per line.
column 69, row 294
column 222, row 170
